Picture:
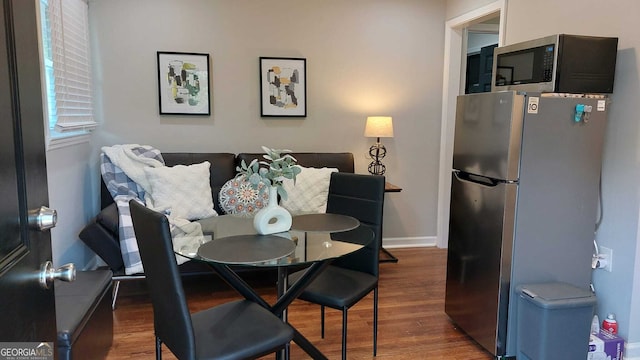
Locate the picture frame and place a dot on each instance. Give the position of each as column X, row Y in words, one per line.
column 183, row 83
column 283, row 87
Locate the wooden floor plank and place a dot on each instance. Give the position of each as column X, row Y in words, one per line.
column 412, row 323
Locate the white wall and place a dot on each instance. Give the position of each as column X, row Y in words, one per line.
column 363, row 57
column 458, row 7
column 70, row 185
column 476, row 41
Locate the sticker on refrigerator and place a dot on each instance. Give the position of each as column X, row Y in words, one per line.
column 601, row 104
column 532, row 106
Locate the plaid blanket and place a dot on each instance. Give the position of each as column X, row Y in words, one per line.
column 130, row 183
column 122, row 188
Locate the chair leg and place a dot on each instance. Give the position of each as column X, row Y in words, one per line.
column 375, row 321
column 344, row 334
column 322, row 321
column 158, row 348
column 114, row 295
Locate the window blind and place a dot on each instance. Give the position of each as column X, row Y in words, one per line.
column 71, row 64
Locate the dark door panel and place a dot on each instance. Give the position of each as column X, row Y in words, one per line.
column 477, row 270
column 27, row 309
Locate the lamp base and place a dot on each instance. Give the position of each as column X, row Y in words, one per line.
column 377, row 168
column 377, row 152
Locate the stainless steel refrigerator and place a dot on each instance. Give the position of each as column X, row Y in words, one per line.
column 524, row 203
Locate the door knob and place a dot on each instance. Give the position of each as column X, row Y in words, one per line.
column 48, row 273
column 43, row 218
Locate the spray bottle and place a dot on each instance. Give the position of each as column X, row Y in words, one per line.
column 610, row 324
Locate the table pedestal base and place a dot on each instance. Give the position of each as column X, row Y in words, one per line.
column 285, row 298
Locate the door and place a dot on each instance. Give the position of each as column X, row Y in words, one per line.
column 488, row 134
column 479, row 257
column 557, row 196
column 27, row 309
column 479, row 69
column 486, row 68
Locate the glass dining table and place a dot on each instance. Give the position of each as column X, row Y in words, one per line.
column 312, row 243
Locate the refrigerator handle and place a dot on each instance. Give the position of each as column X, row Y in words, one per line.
column 477, row 179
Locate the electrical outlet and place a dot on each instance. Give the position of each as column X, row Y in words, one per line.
column 606, row 255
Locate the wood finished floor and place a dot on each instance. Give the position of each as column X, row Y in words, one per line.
column 411, row 325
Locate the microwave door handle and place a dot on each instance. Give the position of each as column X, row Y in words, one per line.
column 476, row 179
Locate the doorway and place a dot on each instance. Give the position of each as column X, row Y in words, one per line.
column 481, row 38
column 456, row 40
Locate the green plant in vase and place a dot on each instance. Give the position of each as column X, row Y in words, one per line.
column 277, row 166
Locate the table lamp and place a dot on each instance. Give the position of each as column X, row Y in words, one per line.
column 377, row 127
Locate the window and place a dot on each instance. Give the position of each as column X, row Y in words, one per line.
column 67, row 68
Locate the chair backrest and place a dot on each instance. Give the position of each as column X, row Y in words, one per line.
column 362, row 197
column 172, row 320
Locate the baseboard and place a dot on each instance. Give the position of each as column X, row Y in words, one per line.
column 632, row 351
column 405, row 242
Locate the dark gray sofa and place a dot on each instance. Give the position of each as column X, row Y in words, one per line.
column 101, row 234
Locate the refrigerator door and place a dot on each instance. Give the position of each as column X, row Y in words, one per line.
column 479, row 257
column 557, row 206
column 488, row 134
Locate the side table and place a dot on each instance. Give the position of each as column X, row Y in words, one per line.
column 389, row 188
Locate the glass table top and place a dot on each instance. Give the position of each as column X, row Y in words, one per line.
column 324, row 222
column 234, row 242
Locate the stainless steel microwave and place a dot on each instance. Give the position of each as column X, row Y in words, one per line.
column 559, row 63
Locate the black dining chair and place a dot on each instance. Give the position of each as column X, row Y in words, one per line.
column 235, row 330
column 352, row 277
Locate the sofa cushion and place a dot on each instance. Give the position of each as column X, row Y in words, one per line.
column 309, row 193
column 342, row 161
column 181, row 191
column 105, row 243
column 237, row 196
column 222, row 168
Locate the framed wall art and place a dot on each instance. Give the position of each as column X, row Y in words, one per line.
column 183, row 83
column 283, row 87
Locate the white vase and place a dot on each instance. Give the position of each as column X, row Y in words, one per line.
column 272, row 218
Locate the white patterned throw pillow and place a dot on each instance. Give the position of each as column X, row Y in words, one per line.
column 309, row 194
column 181, row 191
column 237, row 196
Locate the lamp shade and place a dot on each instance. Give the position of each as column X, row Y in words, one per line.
column 379, row 126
